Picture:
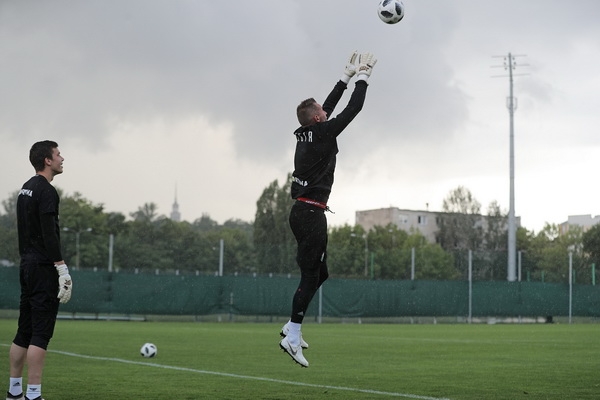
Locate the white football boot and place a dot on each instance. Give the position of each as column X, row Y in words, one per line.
column 294, row 351
column 284, row 332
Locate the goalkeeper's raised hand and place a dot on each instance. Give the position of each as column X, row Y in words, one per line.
column 350, row 68
column 65, row 283
column 366, row 62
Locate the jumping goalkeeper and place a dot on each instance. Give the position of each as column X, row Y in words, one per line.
column 314, row 167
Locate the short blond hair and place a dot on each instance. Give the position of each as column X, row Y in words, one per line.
column 306, row 110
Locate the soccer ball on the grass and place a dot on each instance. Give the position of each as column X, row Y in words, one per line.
column 148, row 350
column 390, row 11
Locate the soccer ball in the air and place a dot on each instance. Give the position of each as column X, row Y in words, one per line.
column 148, row 350
column 390, row 11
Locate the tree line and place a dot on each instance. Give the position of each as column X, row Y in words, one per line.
column 146, row 241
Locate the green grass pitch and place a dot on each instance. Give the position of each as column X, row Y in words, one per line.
column 99, row 360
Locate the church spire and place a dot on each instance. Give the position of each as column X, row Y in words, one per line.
column 175, row 214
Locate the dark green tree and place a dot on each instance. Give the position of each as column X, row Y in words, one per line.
column 238, row 252
column 461, row 222
column 389, row 255
column 274, row 242
column 205, row 223
column 591, row 244
column 491, row 262
column 84, row 236
column 9, row 244
column 547, row 254
column 346, row 252
column 146, row 213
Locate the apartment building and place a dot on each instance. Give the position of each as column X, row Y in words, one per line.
column 407, row 220
column 584, row 221
column 425, row 222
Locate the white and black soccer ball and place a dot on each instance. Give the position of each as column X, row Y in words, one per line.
column 390, row 11
column 148, row 350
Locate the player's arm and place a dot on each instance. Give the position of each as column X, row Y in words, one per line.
column 336, row 94
column 366, row 62
column 51, row 240
column 334, row 97
column 52, row 243
column 355, row 105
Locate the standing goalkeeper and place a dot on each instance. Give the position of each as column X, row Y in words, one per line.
column 314, row 166
column 44, row 276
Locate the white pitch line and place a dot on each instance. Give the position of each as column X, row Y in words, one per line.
column 256, row 378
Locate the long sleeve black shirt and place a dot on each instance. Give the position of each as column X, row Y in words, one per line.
column 37, row 220
column 316, row 146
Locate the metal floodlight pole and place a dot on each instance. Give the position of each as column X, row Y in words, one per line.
column 510, row 64
column 511, row 213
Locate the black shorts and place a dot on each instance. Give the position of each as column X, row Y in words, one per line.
column 38, row 305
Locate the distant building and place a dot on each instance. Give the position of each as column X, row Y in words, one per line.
column 407, row 220
column 175, row 214
column 425, row 222
column 583, row 221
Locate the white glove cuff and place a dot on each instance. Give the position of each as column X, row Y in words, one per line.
column 345, row 78
column 62, row 269
column 362, row 77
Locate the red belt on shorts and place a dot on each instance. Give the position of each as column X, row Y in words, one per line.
column 313, row 202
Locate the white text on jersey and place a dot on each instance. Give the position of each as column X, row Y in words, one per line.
column 304, row 136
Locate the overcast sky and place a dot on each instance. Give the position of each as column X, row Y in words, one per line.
column 146, row 96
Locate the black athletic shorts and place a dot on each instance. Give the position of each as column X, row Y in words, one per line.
column 38, row 305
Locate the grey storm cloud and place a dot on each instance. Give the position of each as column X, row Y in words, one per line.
column 81, row 70
column 77, row 67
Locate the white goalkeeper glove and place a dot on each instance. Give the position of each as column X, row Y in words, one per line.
column 366, row 62
column 350, row 68
column 65, row 284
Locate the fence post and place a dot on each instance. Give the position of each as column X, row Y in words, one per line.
column 470, row 286
column 412, row 264
column 221, row 249
column 570, row 285
column 320, row 316
column 111, row 242
column 372, row 265
column 519, row 265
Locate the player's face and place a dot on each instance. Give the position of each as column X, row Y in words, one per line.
column 320, row 116
column 56, row 162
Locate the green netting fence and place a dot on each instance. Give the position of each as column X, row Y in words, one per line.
column 145, row 294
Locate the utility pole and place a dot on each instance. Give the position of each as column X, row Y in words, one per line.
column 510, row 64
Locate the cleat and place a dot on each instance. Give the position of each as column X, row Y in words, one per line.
column 284, row 333
column 37, row 398
column 11, row 397
column 294, row 351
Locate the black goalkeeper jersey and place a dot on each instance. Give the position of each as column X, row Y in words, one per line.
column 37, row 220
column 316, row 147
